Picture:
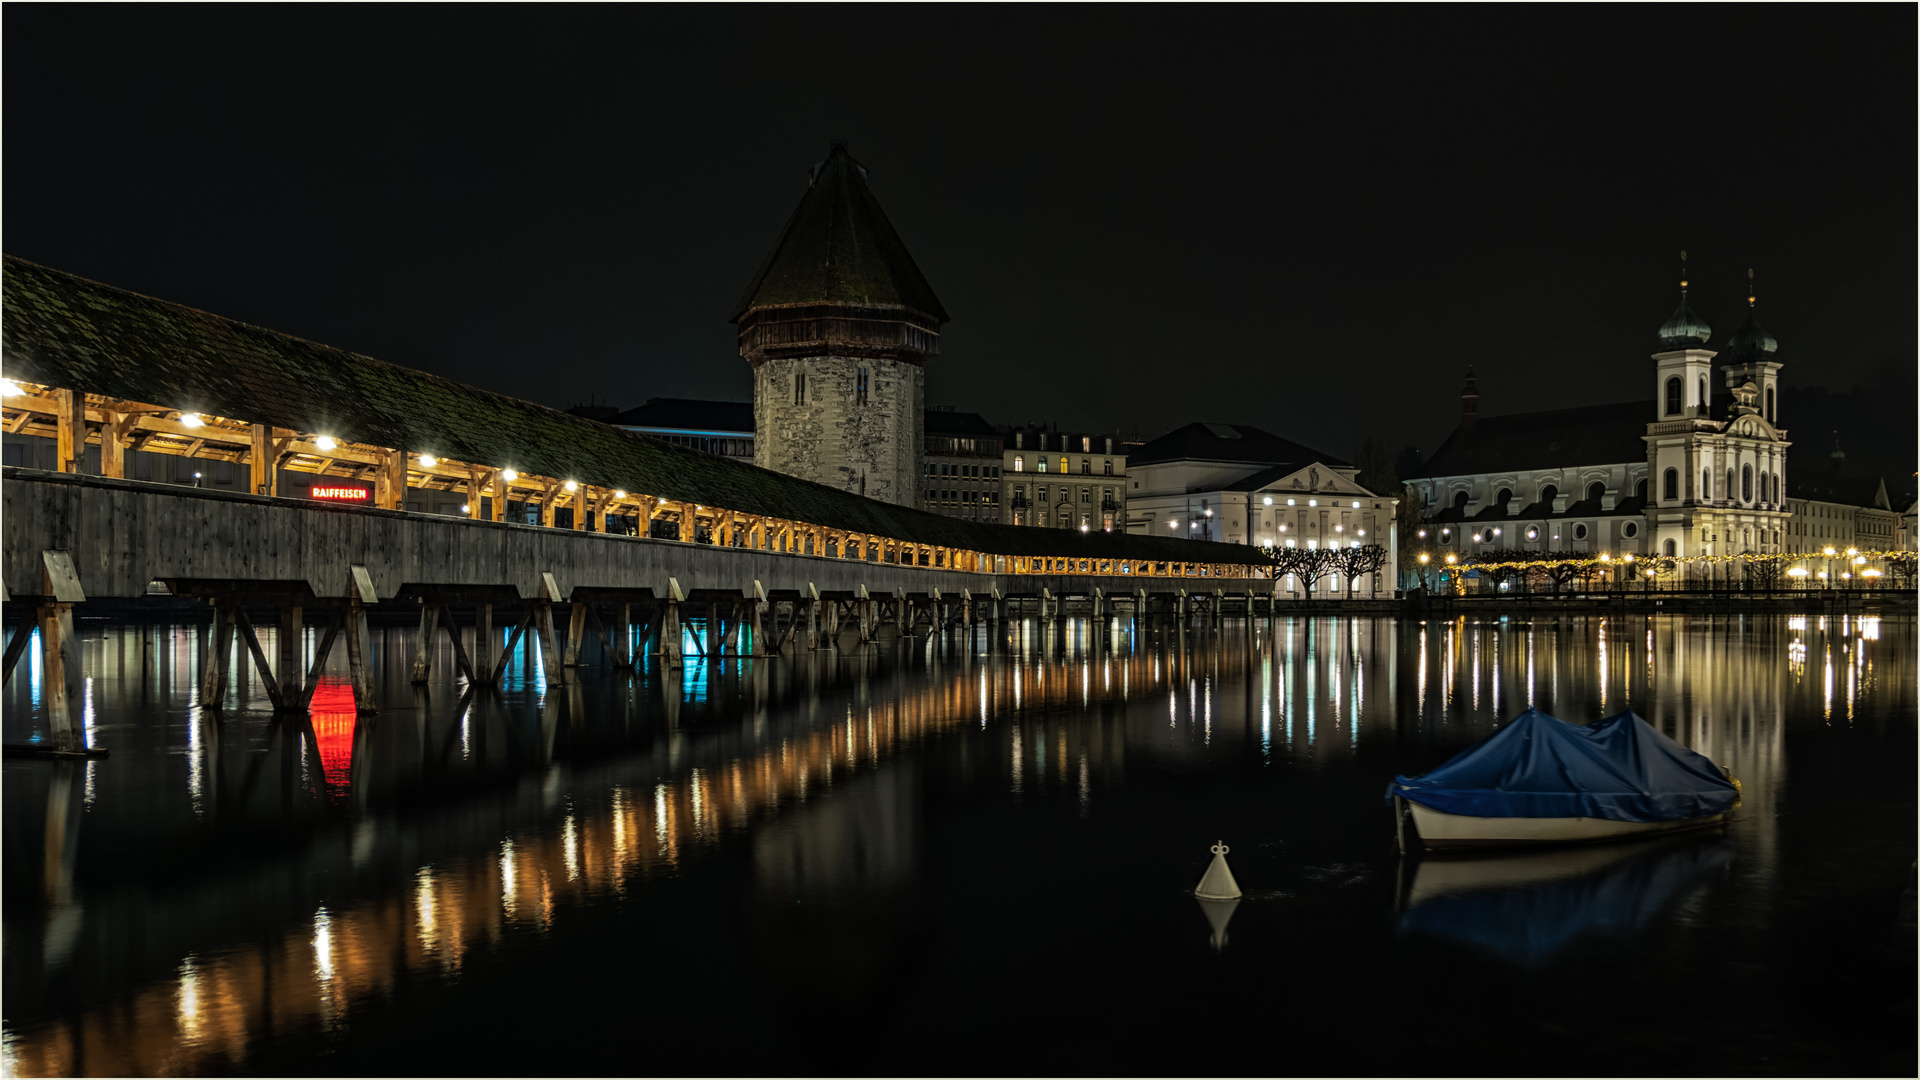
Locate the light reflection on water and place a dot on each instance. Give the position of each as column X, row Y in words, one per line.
column 807, row 761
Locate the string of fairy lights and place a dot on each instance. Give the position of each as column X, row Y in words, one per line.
column 1657, row 564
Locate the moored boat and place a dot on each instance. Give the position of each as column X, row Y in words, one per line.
column 1541, row 780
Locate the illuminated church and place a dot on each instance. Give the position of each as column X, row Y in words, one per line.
column 1693, row 471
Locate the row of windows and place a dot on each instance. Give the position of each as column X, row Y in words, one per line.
column 1673, row 398
column 1040, row 492
column 1066, row 442
column 1769, row 485
column 1040, row 465
column 983, row 472
column 949, row 495
column 1548, row 492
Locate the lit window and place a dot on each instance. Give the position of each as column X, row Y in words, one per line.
column 1019, row 464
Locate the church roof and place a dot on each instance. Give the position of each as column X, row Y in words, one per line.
column 1751, row 341
column 1558, row 438
column 1230, row 442
column 839, row 247
column 964, row 424
column 1684, row 329
column 1832, row 487
column 688, row 414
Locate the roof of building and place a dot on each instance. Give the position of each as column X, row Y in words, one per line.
column 839, row 247
column 688, row 414
column 1684, row 329
column 1229, row 442
column 1558, row 438
column 965, row 424
column 65, row 331
column 1752, row 341
column 1834, row 487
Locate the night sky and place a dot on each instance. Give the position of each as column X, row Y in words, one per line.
column 1310, row 221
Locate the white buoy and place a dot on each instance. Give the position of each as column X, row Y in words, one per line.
column 1217, row 883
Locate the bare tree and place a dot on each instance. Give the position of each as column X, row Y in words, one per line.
column 1357, row 562
column 1308, row 565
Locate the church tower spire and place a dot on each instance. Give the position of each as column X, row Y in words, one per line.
column 837, row 323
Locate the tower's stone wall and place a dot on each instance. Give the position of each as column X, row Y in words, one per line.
column 830, row 435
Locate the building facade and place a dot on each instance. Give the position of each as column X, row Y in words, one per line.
column 837, row 324
column 1063, row 480
column 1690, row 473
column 1242, row 485
column 961, row 465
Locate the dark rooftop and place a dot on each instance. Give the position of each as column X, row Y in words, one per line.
column 1833, row 487
column 1559, row 438
column 66, row 331
column 962, row 424
column 1229, row 442
column 688, row 414
column 839, row 247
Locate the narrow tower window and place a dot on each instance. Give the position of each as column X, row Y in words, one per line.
column 1703, row 395
column 1746, row 483
column 860, row 386
column 1673, row 396
column 1670, row 485
column 800, row 388
column 1769, row 404
column 1706, row 484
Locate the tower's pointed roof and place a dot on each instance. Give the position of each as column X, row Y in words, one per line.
column 1752, row 342
column 839, row 247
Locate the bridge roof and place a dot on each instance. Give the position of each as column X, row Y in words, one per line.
column 65, row 331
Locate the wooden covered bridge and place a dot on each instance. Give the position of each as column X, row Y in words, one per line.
column 556, row 509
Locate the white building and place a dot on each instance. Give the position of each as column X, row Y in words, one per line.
column 1242, row 485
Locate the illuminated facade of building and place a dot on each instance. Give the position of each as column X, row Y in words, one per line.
column 1063, row 480
column 1690, row 473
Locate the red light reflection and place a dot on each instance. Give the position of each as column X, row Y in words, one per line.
column 333, row 717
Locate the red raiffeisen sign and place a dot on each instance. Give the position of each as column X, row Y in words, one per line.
column 334, row 492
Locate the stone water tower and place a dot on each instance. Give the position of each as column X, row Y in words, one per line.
column 837, row 324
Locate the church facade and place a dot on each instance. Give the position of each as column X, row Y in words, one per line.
column 1694, row 472
column 837, row 324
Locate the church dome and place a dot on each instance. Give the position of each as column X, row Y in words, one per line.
column 1684, row 329
column 1752, row 342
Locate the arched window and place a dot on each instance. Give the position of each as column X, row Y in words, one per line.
column 1086, row 466
column 1640, row 489
column 1109, row 468
column 1746, row 483
column 1595, row 490
column 1040, row 463
column 1460, row 501
column 1673, row 396
column 1501, row 500
column 1064, row 467
column 1769, row 404
column 1019, row 463
column 1548, row 493
column 1669, row 485
column 1671, row 548
column 1729, row 488
column 1706, row 485
column 1703, row 395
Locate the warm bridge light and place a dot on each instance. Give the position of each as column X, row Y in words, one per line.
column 8, row 388
column 619, row 493
column 188, row 419
column 325, row 442
column 428, row 461
column 509, row 475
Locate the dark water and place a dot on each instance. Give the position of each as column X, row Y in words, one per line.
column 954, row 857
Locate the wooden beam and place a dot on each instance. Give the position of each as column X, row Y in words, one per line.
column 113, row 447
column 260, row 462
column 70, row 430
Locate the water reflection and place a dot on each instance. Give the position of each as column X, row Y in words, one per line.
column 1528, row 908
column 310, row 866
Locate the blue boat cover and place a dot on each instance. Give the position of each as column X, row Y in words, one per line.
column 1619, row 769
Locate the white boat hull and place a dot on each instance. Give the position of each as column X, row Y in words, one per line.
column 1442, row 830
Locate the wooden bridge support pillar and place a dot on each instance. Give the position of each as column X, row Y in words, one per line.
column 290, row 641
column 483, row 638
column 423, row 646
column 623, row 642
column 670, row 627
column 359, row 663
column 715, row 639
column 576, row 633
column 556, row 672
column 756, row 621
column 60, row 661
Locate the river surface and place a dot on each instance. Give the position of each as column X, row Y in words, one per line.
column 970, row 855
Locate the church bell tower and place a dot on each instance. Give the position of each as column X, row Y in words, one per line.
column 837, row 324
